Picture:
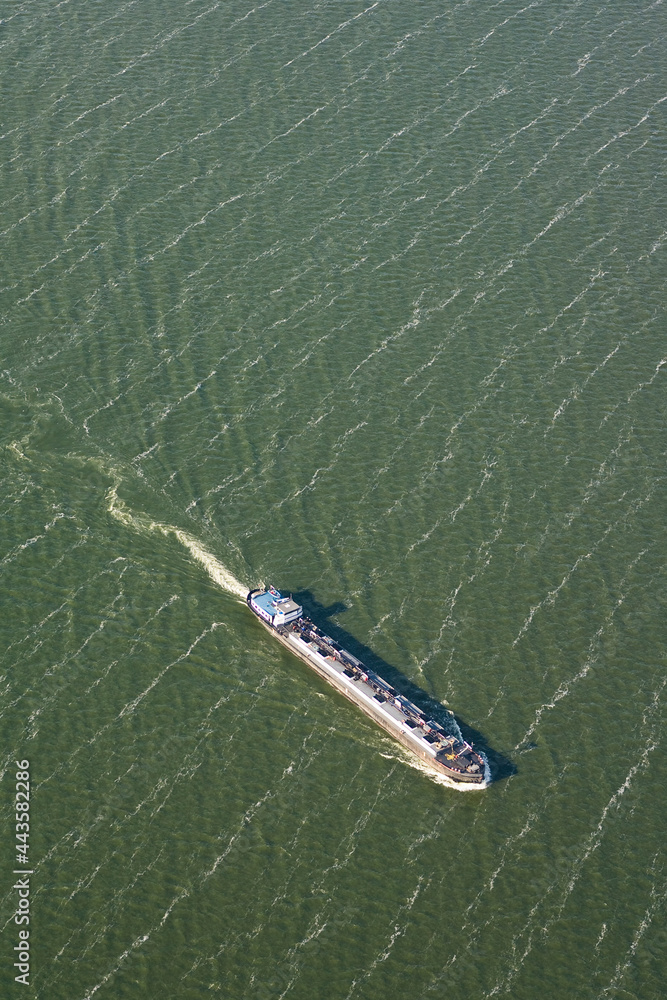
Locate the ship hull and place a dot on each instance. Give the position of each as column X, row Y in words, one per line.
column 393, row 728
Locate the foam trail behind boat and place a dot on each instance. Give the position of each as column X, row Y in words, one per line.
column 215, row 569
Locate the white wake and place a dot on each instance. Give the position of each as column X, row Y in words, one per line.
column 140, row 522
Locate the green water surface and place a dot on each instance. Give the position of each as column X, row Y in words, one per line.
column 365, row 300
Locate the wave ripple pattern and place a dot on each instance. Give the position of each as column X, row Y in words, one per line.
column 366, row 300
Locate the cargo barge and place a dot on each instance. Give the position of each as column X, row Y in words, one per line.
column 442, row 753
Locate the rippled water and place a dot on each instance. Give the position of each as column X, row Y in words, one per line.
column 366, row 301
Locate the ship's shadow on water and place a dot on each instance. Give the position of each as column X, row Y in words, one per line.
column 501, row 766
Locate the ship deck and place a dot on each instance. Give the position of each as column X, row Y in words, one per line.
column 440, row 750
column 363, row 692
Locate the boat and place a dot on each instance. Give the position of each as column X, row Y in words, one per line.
column 441, row 752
